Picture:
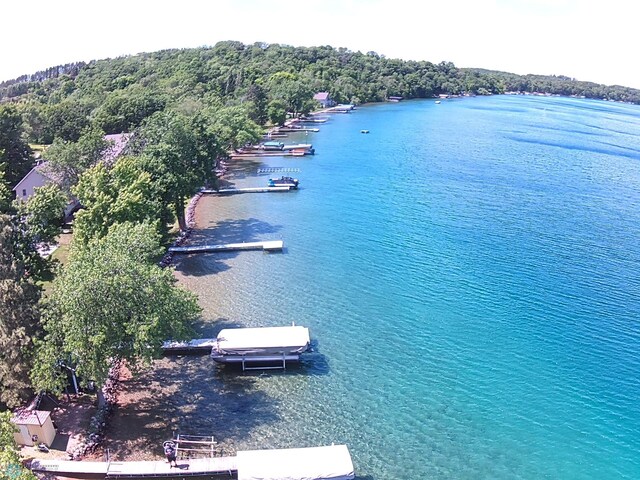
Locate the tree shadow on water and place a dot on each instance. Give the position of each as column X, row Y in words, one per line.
column 222, row 232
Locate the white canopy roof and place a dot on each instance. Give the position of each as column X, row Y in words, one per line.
column 234, row 339
column 317, row 463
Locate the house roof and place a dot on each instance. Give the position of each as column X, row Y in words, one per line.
column 39, row 168
column 118, row 142
column 321, row 96
column 22, row 416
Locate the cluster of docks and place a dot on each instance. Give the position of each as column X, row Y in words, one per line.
column 252, row 349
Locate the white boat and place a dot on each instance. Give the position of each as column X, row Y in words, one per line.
column 263, row 345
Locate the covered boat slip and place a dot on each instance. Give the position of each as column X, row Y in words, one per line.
column 261, row 345
column 316, row 463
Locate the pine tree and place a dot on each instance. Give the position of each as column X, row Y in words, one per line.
column 19, row 319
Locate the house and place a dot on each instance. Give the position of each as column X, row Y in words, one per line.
column 38, row 176
column 34, row 427
column 324, row 99
column 41, row 174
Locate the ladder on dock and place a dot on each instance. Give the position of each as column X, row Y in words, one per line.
column 190, row 446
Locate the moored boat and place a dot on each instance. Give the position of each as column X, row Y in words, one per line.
column 283, row 182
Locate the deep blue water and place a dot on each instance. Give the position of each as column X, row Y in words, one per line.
column 471, row 273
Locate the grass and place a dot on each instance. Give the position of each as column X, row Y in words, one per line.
column 60, row 254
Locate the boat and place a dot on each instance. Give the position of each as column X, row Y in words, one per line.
column 284, row 182
column 307, row 148
column 262, row 346
column 438, row 102
column 271, row 146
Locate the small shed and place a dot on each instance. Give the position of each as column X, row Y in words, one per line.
column 34, row 427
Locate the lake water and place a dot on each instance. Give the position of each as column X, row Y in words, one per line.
column 470, row 272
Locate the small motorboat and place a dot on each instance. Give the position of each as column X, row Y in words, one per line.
column 283, row 182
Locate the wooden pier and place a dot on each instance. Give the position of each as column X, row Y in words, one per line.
column 277, row 170
column 216, row 467
column 232, row 191
column 293, row 130
column 201, row 345
column 260, row 153
column 267, row 246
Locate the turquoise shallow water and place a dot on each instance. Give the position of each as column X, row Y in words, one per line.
column 471, row 274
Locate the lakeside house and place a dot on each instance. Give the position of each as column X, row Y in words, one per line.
column 42, row 174
column 324, row 99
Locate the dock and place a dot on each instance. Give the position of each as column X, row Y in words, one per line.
column 261, row 153
column 277, row 170
column 201, row 345
column 233, row 191
column 315, row 463
column 293, row 130
column 267, row 246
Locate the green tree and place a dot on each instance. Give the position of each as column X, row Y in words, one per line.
column 179, row 153
column 66, row 121
column 15, row 154
column 10, row 462
column 19, row 318
column 125, row 110
column 112, row 302
column 43, row 213
column 257, row 98
column 124, row 193
column 69, row 159
column 5, row 192
column 229, row 128
column 277, row 112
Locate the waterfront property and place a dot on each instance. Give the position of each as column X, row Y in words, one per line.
column 265, row 346
column 324, row 99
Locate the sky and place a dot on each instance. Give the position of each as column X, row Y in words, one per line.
column 593, row 40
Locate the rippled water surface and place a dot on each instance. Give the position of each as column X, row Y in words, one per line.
column 470, row 272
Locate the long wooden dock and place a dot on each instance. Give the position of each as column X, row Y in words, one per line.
column 232, row 191
column 267, row 246
column 259, row 153
column 217, row 467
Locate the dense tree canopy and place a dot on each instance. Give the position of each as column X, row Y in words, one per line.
column 19, row 317
column 118, row 94
column 112, row 301
column 15, row 154
column 124, row 193
column 43, row 212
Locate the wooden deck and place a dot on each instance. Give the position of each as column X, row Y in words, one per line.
column 232, row 191
column 267, row 246
column 220, row 467
column 200, row 345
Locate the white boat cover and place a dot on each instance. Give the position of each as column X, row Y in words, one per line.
column 234, row 341
column 316, row 463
